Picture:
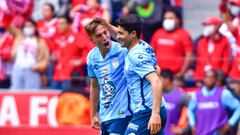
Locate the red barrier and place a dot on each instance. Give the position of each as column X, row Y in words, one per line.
column 34, row 113
column 31, row 108
column 46, row 130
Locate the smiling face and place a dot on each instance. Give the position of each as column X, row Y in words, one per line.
column 101, row 37
column 124, row 37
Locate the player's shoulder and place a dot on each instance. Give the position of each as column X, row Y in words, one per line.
column 93, row 54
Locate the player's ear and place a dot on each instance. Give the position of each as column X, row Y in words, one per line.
column 133, row 34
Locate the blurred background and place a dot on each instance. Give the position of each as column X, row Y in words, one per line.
column 44, row 88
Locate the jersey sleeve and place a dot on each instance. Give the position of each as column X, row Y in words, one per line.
column 90, row 67
column 142, row 64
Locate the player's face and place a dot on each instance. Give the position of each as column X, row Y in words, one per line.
column 210, row 79
column 123, row 37
column 101, row 37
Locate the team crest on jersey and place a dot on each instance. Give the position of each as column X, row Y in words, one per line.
column 115, row 63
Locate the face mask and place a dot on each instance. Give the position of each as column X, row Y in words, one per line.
column 208, row 30
column 28, row 31
column 169, row 24
column 235, row 10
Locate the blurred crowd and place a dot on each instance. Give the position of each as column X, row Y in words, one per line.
column 43, row 45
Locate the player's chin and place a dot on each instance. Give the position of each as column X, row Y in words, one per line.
column 123, row 44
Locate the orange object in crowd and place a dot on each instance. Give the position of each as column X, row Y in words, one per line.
column 73, row 109
column 183, row 120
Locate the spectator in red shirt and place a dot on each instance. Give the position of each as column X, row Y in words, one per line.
column 47, row 27
column 173, row 45
column 70, row 53
column 232, row 20
column 82, row 14
column 213, row 50
column 6, row 42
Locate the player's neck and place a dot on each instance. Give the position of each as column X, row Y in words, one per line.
column 134, row 42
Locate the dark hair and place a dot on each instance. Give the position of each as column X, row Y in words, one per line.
column 177, row 14
column 90, row 28
column 221, row 76
column 35, row 25
column 31, row 21
column 213, row 71
column 130, row 23
column 51, row 6
column 67, row 17
column 167, row 73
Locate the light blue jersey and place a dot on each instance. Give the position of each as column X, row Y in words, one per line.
column 140, row 62
column 109, row 71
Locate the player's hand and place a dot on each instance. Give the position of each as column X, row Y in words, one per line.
column 193, row 130
column 154, row 124
column 224, row 129
column 176, row 130
column 95, row 122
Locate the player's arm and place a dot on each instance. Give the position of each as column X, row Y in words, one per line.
column 232, row 103
column 94, row 98
column 158, row 69
column 154, row 124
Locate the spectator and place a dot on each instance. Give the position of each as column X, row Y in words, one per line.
column 213, row 50
column 175, row 101
column 173, row 45
column 6, row 43
column 30, row 56
column 39, row 4
column 47, row 27
column 178, row 6
column 83, row 14
column 70, row 51
column 207, row 110
column 232, row 21
column 178, row 82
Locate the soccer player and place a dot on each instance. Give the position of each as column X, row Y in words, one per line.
column 144, row 84
column 108, row 85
